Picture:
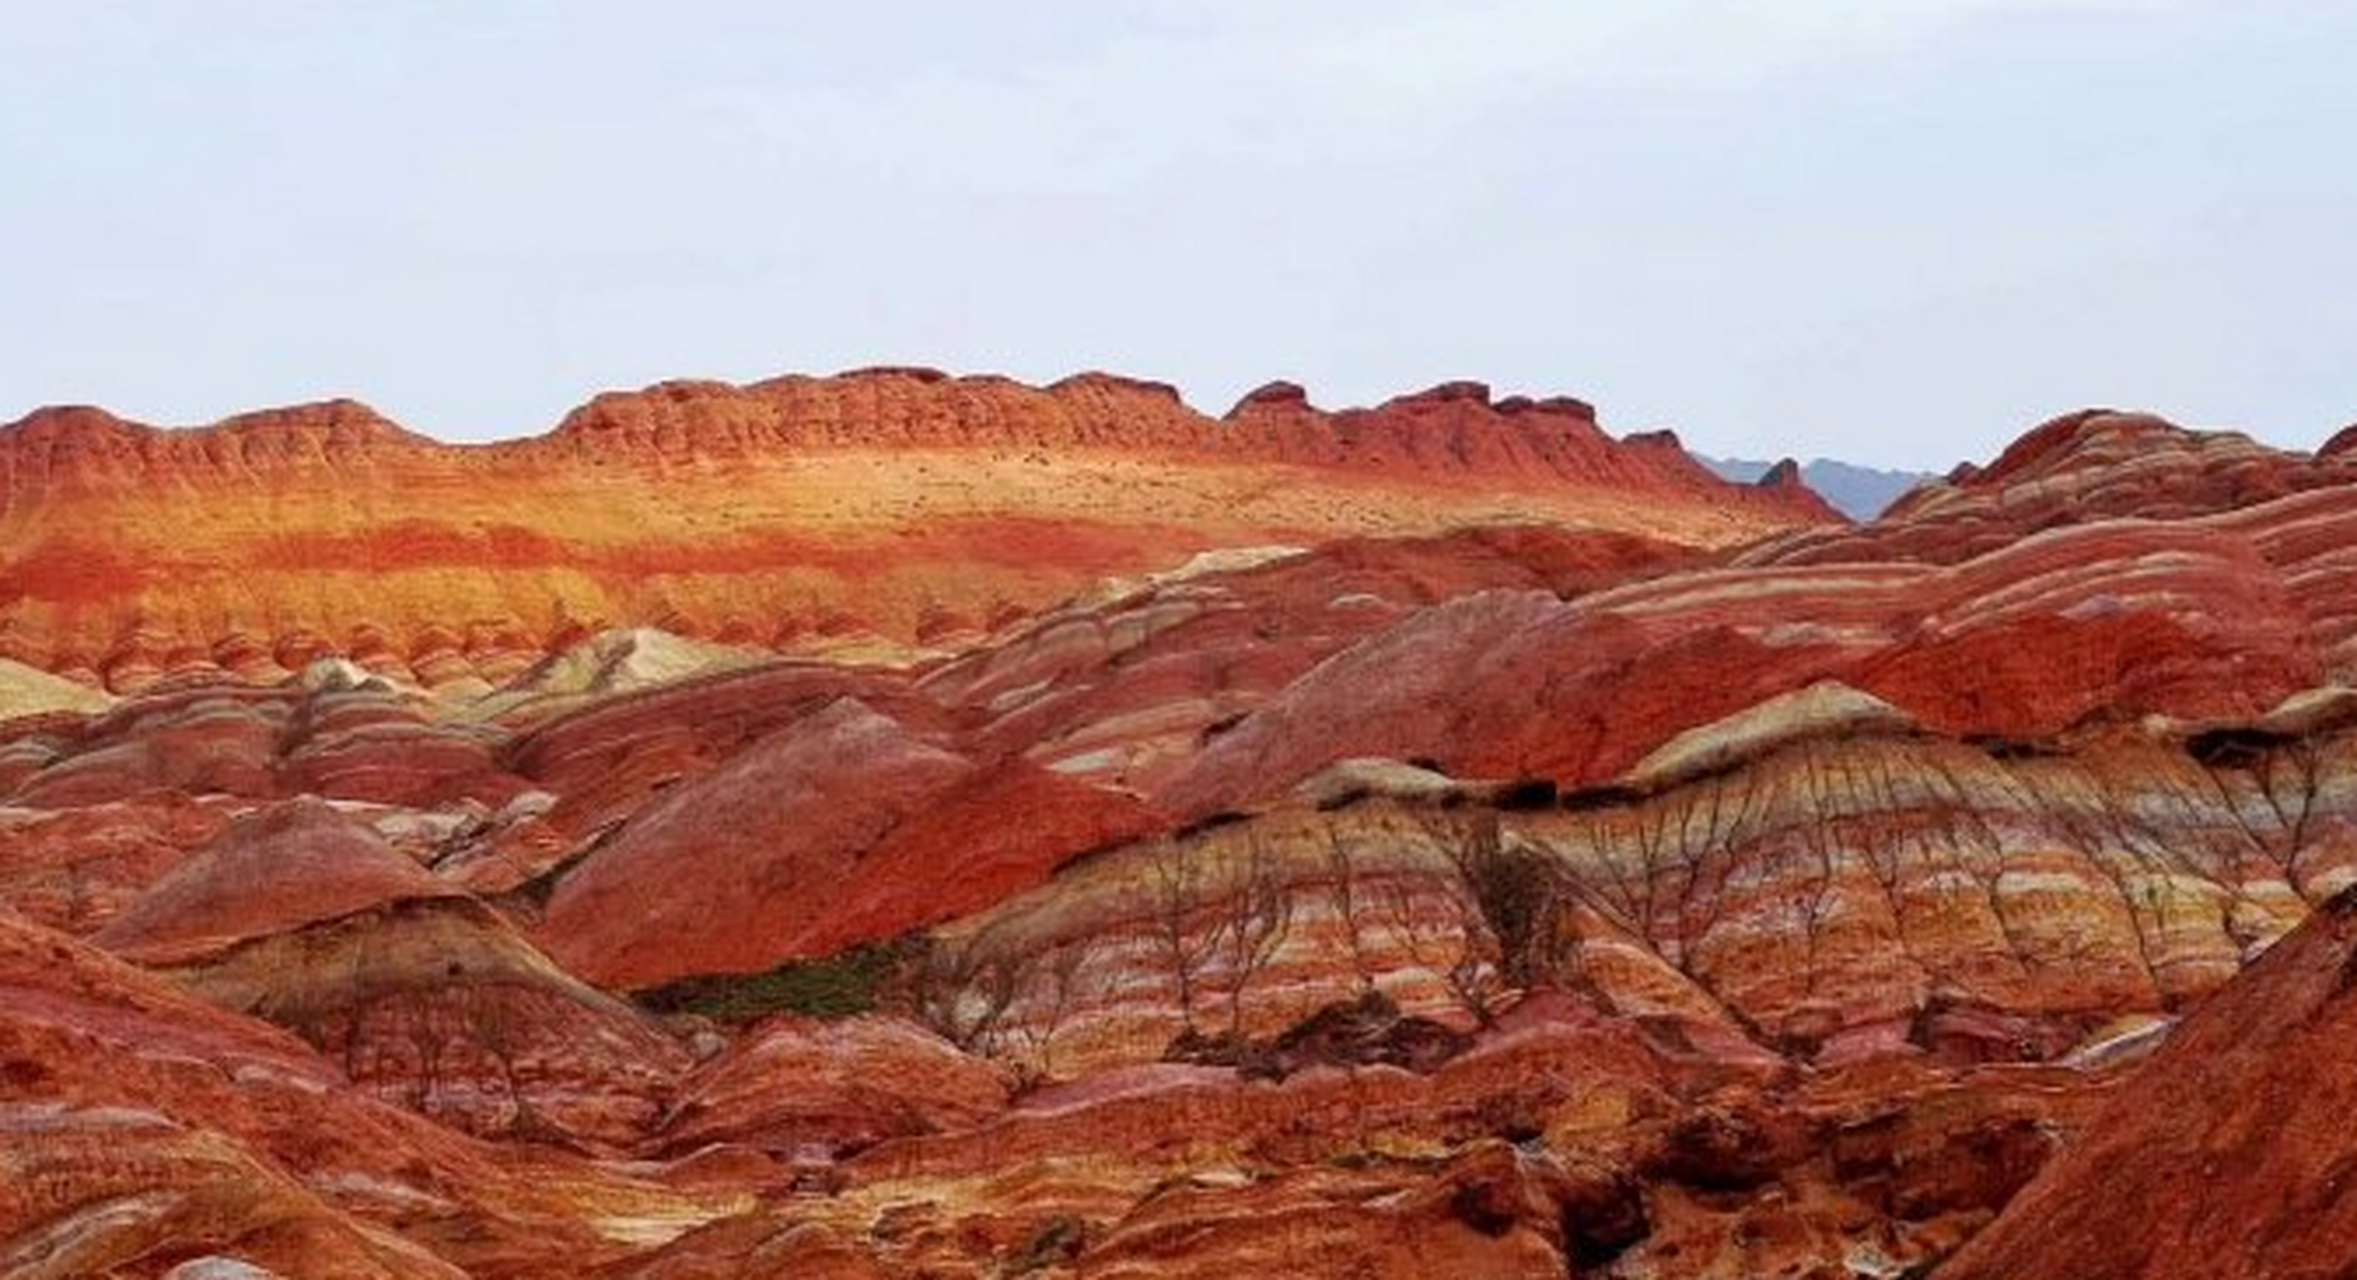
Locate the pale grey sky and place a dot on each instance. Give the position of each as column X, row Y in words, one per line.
column 1892, row 231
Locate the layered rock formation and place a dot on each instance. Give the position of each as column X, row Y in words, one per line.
column 867, row 513
column 2228, row 1155
column 310, row 919
column 1512, row 899
column 906, row 833
column 146, row 1129
column 2078, row 625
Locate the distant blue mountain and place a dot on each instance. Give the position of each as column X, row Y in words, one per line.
column 1861, row 493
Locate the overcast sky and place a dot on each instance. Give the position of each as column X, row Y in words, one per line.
column 1892, row 231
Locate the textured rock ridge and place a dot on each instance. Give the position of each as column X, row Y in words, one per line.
column 2059, row 630
column 2227, row 1154
column 872, row 512
column 144, row 1128
column 1421, row 885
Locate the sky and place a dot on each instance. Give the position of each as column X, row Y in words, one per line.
column 1897, row 232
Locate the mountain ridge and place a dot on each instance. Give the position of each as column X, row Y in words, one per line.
column 900, row 509
column 1507, row 897
column 1859, row 492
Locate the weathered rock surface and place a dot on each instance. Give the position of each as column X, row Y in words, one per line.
column 1875, row 892
column 26, row 691
column 797, row 1087
column 1510, row 899
column 144, row 1128
column 2227, row 1155
column 360, row 742
column 306, row 917
column 2082, row 468
column 2094, row 622
column 869, row 512
column 298, row 864
column 600, row 667
column 717, row 876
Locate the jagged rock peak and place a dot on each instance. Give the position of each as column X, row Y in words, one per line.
column 1275, row 395
column 1459, row 391
column 2343, row 441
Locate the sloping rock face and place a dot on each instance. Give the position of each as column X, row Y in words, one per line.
column 2085, row 467
column 2227, row 1155
column 1124, row 691
column 2112, row 621
column 146, row 1129
column 25, row 691
column 1864, row 895
column 868, row 512
column 604, row 666
column 908, row 833
column 1509, row 900
column 367, row 743
column 300, row 864
column 797, row 1087
column 310, row 919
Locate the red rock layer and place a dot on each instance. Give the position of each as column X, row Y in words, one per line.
column 803, row 1088
column 1843, row 895
column 363, row 744
column 2094, row 465
column 1510, row 901
column 906, row 833
column 308, row 917
column 2227, row 1156
column 1565, row 1144
column 1116, row 690
column 140, row 1129
column 2221, row 616
column 897, row 502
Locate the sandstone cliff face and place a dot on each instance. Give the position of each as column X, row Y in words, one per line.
column 1508, row 900
column 874, row 511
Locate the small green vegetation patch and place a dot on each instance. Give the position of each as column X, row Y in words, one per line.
column 842, row 985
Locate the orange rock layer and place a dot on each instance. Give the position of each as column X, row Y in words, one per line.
column 900, row 504
column 2227, row 1156
column 1512, row 900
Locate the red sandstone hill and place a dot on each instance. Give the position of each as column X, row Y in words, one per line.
column 1503, row 898
column 903, row 504
column 2229, row 1156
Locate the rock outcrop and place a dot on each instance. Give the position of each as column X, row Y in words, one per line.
column 145, row 1128
column 882, row 513
column 308, row 918
column 25, row 691
column 904, row 832
column 2227, row 1155
column 2116, row 620
column 806, row 1088
column 1394, row 887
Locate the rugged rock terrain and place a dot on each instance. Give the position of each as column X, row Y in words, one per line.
column 1426, row 895
column 886, row 512
column 2228, row 1155
column 1861, row 493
